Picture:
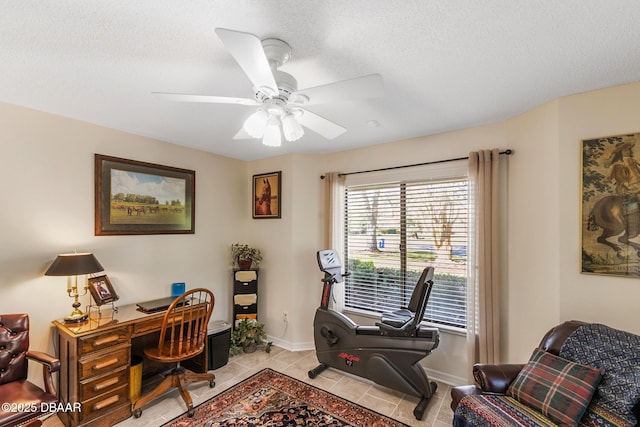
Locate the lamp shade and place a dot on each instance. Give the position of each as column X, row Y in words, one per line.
column 74, row 265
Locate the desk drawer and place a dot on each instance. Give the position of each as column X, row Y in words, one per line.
column 146, row 326
column 104, row 363
column 103, row 384
column 103, row 340
column 152, row 325
column 104, row 403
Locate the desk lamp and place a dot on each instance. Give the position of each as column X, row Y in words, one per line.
column 74, row 265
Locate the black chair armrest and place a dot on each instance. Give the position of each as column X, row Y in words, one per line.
column 495, row 378
column 49, row 365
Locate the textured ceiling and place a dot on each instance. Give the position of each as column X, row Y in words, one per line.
column 446, row 64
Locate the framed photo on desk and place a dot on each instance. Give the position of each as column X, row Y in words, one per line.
column 101, row 290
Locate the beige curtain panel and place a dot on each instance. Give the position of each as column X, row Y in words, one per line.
column 483, row 328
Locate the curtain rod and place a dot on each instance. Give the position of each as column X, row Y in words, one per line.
column 506, row 152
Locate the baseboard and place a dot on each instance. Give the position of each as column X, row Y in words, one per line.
column 442, row 377
column 446, row 378
column 291, row 346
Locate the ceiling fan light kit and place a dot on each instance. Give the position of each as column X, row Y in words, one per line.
column 291, row 127
column 255, row 123
column 272, row 136
column 276, row 94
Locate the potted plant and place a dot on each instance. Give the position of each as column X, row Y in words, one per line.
column 245, row 256
column 249, row 335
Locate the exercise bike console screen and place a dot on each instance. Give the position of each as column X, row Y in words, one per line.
column 329, row 263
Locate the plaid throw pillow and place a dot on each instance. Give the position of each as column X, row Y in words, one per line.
column 558, row 388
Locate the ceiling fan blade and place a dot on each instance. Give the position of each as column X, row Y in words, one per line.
column 320, row 125
column 370, row 86
column 247, row 50
column 181, row 97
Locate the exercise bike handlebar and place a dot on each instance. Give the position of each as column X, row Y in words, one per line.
column 331, row 278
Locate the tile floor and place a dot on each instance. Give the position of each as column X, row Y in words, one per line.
column 296, row 364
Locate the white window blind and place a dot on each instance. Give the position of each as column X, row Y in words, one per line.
column 393, row 231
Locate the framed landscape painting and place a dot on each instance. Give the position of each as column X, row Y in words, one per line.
column 266, row 195
column 611, row 205
column 133, row 197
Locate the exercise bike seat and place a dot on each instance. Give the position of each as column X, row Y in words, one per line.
column 397, row 318
column 406, row 321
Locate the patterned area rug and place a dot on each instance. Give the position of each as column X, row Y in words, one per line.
column 270, row 398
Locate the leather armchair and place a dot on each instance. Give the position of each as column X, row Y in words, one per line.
column 496, row 378
column 22, row 400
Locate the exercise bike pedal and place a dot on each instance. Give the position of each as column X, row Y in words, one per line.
column 331, row 338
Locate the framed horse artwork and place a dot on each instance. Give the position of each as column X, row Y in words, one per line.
column 266, row 195
column 133, row 197
column 611, row 205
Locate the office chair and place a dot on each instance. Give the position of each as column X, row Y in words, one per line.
column 183, row 336
column 15, row 390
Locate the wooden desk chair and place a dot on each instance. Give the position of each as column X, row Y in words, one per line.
column 183, row 336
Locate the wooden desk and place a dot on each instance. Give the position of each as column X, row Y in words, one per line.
column 95, row 360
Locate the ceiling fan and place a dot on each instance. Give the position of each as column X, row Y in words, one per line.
column 275, row 93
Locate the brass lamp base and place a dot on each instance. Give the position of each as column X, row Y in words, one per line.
column 76, row 316
column 76, row 319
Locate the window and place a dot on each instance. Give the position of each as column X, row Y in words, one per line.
column 393, row 231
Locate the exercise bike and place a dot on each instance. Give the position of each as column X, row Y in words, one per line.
column 388, row 353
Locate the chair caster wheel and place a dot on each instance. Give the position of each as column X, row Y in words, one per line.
column 191, row 413
column 137, row 413
column 212, row 384
column 312, row 374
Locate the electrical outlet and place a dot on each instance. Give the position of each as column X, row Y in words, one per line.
column 285, row 319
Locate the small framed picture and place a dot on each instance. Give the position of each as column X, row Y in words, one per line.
column 266, row 195
column 101, row 290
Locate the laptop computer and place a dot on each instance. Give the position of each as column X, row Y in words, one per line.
column 155, row 305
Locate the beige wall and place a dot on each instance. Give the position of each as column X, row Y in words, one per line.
column 605, row 299
column 47, row 184
column 532, row 262
column 289, row 276
column 541, row 276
